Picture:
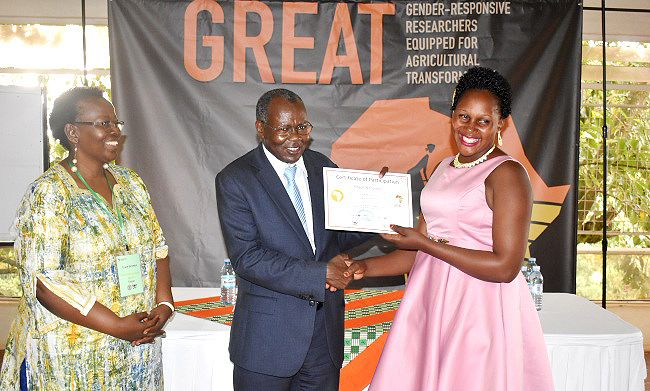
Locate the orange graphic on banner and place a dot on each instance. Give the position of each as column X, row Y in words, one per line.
column 409, row 137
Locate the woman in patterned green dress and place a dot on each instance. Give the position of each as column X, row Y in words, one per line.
column 84, row 227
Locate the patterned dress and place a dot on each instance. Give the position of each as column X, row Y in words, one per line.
column 68, row 241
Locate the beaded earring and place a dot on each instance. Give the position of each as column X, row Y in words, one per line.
column 73, row 168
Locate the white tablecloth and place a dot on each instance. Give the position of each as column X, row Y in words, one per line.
column 195, row 351
column 590, row 349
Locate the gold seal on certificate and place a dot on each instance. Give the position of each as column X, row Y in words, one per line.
column 357, row 200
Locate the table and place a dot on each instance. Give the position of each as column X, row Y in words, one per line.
column 195, row 350
column 589, row 348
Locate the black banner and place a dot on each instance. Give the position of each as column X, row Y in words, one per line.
column 376, row 79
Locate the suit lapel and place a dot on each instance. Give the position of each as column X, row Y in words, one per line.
column 278, row 194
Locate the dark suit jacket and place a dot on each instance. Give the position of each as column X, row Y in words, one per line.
column 281, row 279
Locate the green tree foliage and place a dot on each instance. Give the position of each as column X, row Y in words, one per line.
column 9, row 282
column 628, row 200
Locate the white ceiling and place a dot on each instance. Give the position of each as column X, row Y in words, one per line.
column 623, row 26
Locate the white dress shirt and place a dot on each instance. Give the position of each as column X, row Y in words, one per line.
column 301, row 183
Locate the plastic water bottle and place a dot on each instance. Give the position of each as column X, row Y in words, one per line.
column 228, row 284
column 528, row 264
column 536, row 286
column 524, row 271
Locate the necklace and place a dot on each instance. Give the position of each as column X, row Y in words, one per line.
column 458, row 164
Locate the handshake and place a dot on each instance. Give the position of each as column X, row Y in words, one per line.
column 341, row 270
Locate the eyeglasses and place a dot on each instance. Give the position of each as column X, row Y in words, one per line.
column 102, row 124
column 284, row 131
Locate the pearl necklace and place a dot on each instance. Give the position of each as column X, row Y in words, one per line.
column 458, row 164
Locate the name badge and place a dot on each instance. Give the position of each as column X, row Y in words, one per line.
column 129, row 274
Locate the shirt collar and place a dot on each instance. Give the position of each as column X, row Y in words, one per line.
column 279, row 166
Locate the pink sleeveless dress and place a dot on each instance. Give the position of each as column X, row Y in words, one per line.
column 453, row 332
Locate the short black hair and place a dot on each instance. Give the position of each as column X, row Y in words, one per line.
column 66, row 109
column 481, row 78
column 261, row 110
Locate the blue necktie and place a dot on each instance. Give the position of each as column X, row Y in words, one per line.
column 294, row 194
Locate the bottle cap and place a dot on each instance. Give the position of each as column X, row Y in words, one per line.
column 227, row 260
column 536, row 268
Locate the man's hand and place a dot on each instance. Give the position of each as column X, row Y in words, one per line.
column 356, row 269
column 336, row 278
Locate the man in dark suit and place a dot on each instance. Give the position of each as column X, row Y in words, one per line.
column 287, row 330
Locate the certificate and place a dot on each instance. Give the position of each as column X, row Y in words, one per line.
column 358, row 200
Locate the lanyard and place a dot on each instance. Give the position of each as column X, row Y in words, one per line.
column 103, row 205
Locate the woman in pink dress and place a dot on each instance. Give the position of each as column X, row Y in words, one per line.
column 467, row 320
